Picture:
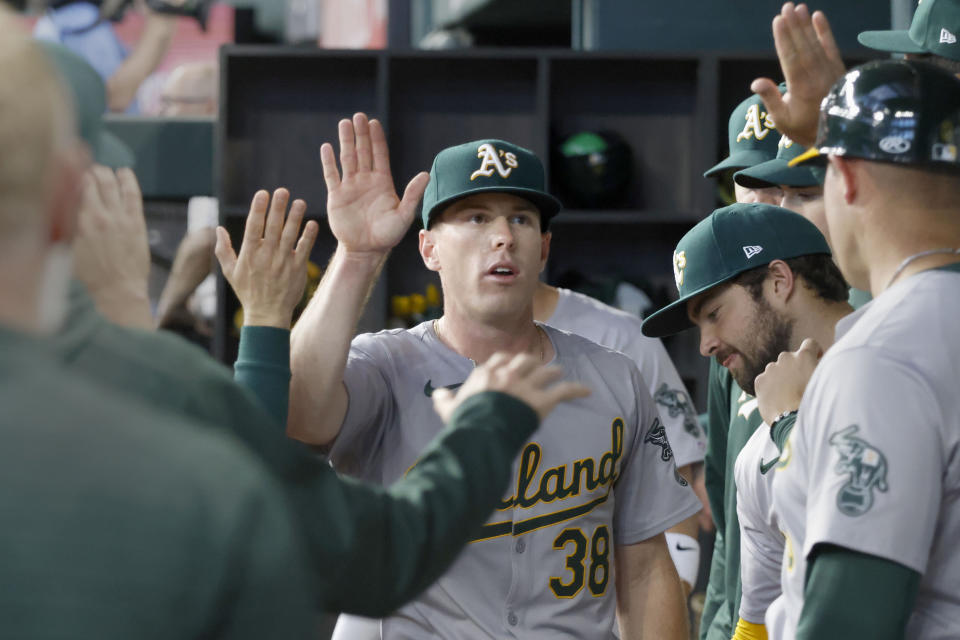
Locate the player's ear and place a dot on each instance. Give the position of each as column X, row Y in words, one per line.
column 428, row 250
column 849, row 178
column 544, row 248
column 782, row 280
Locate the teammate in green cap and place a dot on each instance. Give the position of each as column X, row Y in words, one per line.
column 578, row 542
column 932, row 35
column 752, row 141
column 756, row 279
column 864, row 490
column 751, row 138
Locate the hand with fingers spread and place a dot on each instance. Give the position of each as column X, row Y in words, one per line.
column 781, row 385
column 111, row 255
column 270, row 273
column 364, row 212
column 811, row 64
column 522, row 376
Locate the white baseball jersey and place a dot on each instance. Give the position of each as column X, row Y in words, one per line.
column 599, row 472
column 620, row 331
column 873, row 464
column 761, row 543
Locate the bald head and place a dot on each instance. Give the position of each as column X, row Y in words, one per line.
column 35, row 126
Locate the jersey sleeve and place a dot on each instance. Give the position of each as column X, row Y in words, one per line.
column 761, row 549
column 263, row 367
column 651, row 496
column 875, row 458
column 371, row 407
column 673, row 401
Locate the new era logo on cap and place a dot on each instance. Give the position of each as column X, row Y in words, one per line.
column 947, row 38
column 752, row 250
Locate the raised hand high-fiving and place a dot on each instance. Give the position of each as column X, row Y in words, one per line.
column 363, row 209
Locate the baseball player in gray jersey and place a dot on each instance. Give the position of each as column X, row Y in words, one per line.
column 578, row 539
column 620, row 331
column 866, row 486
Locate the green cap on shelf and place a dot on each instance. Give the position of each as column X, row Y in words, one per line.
column 487, row 166
column 723, row 245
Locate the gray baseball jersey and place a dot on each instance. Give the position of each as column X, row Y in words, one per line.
column 598, row 473
column 872, row 464
column 761, row 543
column 620, row 331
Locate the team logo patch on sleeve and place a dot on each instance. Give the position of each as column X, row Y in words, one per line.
column 866, row 468
column 657, row 436
column 676, row 403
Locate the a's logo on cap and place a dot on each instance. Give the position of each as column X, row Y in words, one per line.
column 490, row 158
column 752, row 250
column 894, row 144
column 758, row 124
column 947, row 38
column 679, row 264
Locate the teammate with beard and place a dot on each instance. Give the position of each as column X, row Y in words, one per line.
column 757, row 280
column 752, row 140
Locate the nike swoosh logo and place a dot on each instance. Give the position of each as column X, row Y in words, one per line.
column 428, row 388
column 766, row 467
column 679, row 547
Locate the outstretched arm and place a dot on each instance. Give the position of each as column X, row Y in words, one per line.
column 368, row 219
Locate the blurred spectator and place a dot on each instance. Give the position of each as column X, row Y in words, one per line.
column 85, row 28
column 190, row 90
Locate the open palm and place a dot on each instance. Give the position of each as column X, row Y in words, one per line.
column 811, row 63
column 363, row 209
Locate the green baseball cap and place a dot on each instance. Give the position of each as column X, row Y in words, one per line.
column 934, row 30
column 487, row 166
column 751, row 137
column 723, row 245
column 778, row 172
column 899, row 111
column 89, row 95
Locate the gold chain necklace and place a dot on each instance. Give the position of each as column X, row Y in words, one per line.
column 540, row 332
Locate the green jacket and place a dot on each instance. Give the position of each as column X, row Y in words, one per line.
column 372, row 548
column 121, row 521
column 733, row 417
